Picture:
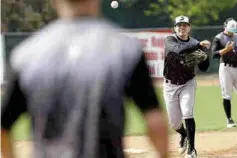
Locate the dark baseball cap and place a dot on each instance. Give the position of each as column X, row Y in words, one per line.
column 181, row 19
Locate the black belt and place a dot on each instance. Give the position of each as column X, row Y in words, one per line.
column 230, row 64
column 175, row 82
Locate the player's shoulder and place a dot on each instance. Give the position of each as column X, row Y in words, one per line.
column 21, row 53
column 130, row 41
column 34, row 39
column 219, row 35
column 29, row 47
column 129, row 44
column 132, row 46
column 172, row 37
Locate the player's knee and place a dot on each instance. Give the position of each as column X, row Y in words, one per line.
column 177, row 127
column 226, row 94
column 175, row 124
column 227, row 97
column 188, row 114
column 188, row 117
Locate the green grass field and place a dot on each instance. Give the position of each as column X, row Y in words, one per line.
column 209, row 114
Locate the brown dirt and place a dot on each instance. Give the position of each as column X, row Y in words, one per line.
column 219, row 144
column 208, row 144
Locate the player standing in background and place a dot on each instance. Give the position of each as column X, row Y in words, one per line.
column 71, row 77
column 224, row 47
column 179, row 81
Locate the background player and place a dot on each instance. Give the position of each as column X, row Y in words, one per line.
column 71, row 77
column 180, row 84
column 224, row 47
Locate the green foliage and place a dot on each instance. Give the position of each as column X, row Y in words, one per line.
column 25, row 15
column 30, row 15
column 200, row 11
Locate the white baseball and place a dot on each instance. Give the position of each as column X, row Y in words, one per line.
column 114, row 4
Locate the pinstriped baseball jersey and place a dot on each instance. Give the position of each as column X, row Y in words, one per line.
column 71, row 78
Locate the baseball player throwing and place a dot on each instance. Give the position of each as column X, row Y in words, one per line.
column 224, row 46
column 182, row 54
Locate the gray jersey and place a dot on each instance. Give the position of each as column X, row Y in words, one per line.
column 219, row 42
column 174, row 69
column 69, row 72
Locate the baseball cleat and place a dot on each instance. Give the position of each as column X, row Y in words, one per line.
column 191, row 154
column 183, row 145
column 230, row 123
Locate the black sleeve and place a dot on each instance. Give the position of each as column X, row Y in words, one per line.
column 14, row 103
column 203, row 66
column 172, row 45
column 216, row 47
column 140, row 88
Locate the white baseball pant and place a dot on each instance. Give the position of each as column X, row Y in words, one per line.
column 179, row 100
column 228, row 80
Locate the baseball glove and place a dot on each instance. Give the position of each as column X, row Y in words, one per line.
column 194, row 58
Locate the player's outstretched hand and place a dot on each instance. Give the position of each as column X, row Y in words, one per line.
column 206, row 44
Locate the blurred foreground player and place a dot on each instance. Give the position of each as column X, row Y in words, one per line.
column 71, row 77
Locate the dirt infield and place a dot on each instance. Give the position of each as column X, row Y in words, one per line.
column 208, row 144
column 219, row 144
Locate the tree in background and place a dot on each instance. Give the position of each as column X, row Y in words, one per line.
column 25, row 15
column 200, row 11
column 30, row 15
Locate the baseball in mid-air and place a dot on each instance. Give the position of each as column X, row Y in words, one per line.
column 114, row 4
